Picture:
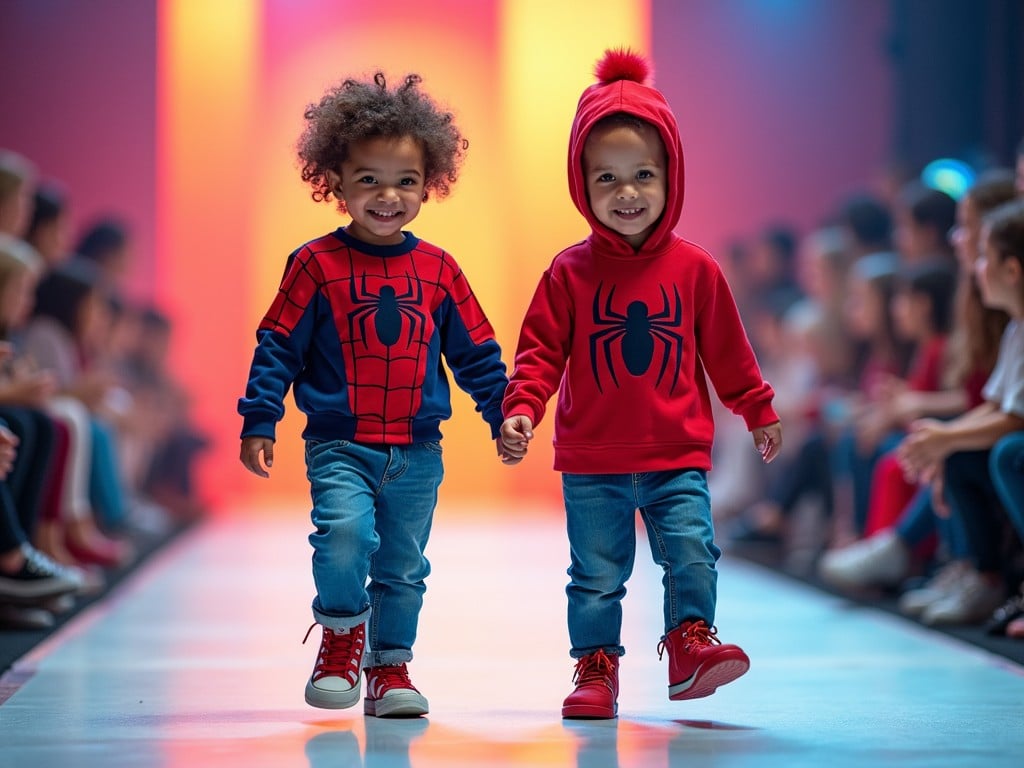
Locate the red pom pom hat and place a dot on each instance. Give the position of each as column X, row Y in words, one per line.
column 622, row 87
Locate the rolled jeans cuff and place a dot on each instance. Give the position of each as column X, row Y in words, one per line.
column 387, row 658
column 610, row 650
column 340, row 622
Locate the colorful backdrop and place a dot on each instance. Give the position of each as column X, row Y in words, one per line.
column 183, row 114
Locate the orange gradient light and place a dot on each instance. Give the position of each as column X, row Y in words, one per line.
column 233, row 80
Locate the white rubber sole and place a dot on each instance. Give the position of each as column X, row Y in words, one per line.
column 317, row 697
column 397, row 704
column 706, row 680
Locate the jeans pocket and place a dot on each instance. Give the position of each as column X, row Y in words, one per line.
column 315, row 447
column 434, row 446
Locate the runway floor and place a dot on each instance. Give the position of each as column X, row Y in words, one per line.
column 197, row 660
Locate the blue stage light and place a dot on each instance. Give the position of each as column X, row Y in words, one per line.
column 954, row 177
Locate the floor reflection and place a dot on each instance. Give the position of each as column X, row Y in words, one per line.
column 198, row 661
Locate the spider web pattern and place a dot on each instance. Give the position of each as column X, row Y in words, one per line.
column 385, row 381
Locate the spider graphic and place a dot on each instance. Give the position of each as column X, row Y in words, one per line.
column 637, row 331
column 387, row 307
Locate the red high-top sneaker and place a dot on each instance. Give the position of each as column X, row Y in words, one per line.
column 335, row 681
column 390, row 693
column 698, row 662
column 597, row 688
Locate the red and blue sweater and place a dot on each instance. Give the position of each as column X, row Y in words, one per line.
column 360, row 330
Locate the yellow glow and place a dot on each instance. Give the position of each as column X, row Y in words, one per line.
column 232, row 86
column 548, row 56
column 205, row 95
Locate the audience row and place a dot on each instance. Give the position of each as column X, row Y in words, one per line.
column 894, row 336
column 96, row 445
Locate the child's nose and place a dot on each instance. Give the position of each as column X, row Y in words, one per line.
column 627, row 192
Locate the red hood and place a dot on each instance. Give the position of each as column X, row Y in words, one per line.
column 621, row 88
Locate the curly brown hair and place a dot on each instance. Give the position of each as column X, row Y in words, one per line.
column 357, row 110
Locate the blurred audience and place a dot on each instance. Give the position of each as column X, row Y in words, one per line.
column 96, row 447
column 892, row 338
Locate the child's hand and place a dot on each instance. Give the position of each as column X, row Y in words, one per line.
column 516, row 434
column 768, row 441
column 8, row 451
column 252, row 447
column 506, row 458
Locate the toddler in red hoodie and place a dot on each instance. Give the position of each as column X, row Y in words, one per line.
column 625, row 325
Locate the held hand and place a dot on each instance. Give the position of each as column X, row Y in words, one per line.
column 252, row 447
column 516, row 434
column 768, row 441
column 922, row 448
column 506, row 458
column 8, row 451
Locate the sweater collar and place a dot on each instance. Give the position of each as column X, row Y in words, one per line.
column 399, row 249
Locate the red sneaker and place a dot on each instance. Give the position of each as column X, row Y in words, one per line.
column 698, row 662
column 597, row 688
column 390, row 693
column 334, row 683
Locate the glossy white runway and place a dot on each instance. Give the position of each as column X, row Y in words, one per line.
column 197, row 661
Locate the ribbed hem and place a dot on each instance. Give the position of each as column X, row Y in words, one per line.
column 621, row 458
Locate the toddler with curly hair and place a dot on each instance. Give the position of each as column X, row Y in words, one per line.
column 359, row 325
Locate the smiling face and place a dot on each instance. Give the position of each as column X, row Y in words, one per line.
column 381, row 184
column 625, row 171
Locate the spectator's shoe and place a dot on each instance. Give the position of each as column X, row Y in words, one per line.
column 100, row 549
column 698, row 662
column 390, row 693
column 1005, row 615
column 597, row 688
column 39, row 579
column 971, row 602
column 335, row 681
column 1015, row 629
column 879, row 561
column 914, row 602
column 25, row 617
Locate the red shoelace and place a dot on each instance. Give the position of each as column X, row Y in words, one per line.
column 391, row 676
column 697, row 633
column 593, row 668
column 336, row 652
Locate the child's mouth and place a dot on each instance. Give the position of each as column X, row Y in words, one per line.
column 385, row 215
column 629, row 213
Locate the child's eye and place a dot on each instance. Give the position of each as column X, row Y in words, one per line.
column 367, row 180
column 408, row 182
column 643, row 175
column 606, row 177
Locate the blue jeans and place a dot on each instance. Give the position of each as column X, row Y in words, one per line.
column 106, row 492
column 919, row 520
column 601, row 512
column 372, row 507
column 859, row 468
column 972, row 497
column 1006, row 465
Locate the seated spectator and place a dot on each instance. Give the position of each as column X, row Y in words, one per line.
column 68, row 315
column 901, row 518
column 957, row 455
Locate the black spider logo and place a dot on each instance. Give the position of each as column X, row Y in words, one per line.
column 637, row 330
column 387, row 307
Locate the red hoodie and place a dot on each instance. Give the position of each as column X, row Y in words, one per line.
column 626, row 336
